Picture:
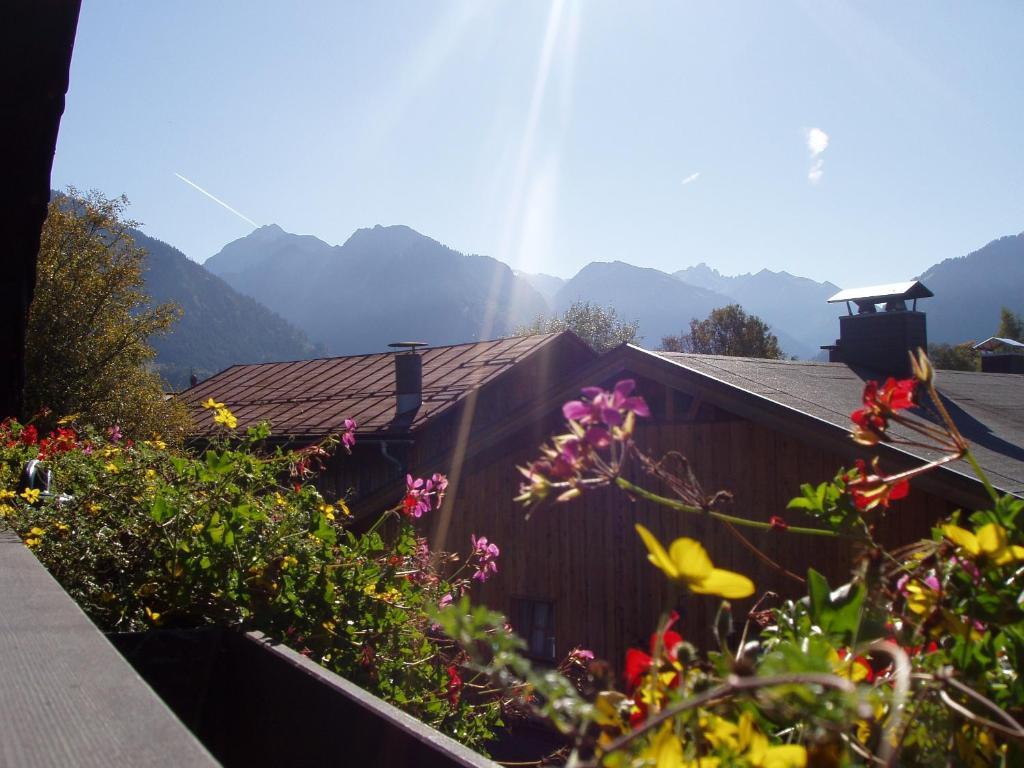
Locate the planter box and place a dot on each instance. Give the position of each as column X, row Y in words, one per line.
column 254, row 703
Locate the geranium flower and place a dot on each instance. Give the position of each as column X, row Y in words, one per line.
column 454, row 686
column 872, row 420
column 348, row 437
column 688, row 563
column 638, row 663
column 29, row 435
column 599, row 406
column 869, row 489
column 485, row 552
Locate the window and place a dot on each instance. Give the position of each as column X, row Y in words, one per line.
column 534, row 621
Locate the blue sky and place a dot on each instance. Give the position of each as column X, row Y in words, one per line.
column 855, row 142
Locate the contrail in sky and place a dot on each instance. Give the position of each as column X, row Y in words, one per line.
column 216, row 199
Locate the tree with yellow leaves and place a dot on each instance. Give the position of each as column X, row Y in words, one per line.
column 90, row 322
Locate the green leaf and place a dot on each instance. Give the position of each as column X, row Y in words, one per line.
column 159, row 510
column 838, row 618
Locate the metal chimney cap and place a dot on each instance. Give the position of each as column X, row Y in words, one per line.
column 409, row 345
column 880, row 294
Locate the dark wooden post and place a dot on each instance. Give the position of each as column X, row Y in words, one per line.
column 36, row 38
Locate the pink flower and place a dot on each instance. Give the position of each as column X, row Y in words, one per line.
column 599, row 406
column 114, row 433
column 348, row 437
column 423, row 494
column 445, row 601
column 485, row 552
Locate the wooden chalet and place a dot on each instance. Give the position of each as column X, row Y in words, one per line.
column 576, row 574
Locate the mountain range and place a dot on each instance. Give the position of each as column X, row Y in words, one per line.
column 382, row 285
column 276, row 295
column 218, row 327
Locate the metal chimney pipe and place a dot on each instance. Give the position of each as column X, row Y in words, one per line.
column 408, row 378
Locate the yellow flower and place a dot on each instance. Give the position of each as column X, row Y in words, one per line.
column 688, row 563
column 67, row 419
column 344, row 508
column 328, row 625
column 31, row 495
column 151, row 474
column 852, row 668
column 279, row 499
column 62, row 527
column 111, row 467
column 665, row 751
column 989, row 541
column 94, row 507
column 156, row 442
column 5, row 510
column 921, row 599
column 6, row 494
column 36, row 538
column 225, row 417
column 154, row 616
column 288, row 562
column 211, row 403
column 328, row 511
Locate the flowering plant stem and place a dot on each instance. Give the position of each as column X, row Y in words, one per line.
column 664, row 501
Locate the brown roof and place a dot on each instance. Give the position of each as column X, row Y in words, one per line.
column 312, row 398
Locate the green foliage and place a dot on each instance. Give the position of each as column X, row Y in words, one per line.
column 141, row 536
column 954, row 357
column 727, row 331
column 87, row 350
column 599, row 326
column 1010, row 325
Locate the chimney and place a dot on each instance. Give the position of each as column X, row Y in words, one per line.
column 883, row 330
column 408, row 379
column 999, row 355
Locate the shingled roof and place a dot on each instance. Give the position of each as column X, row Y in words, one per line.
column 312, row 398
column 988, row 408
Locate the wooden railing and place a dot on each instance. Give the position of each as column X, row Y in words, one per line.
column 69, row 698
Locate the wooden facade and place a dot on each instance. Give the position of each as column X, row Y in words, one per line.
column 585, row 558
column 576, row 574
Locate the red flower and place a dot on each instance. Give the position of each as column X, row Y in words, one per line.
column 777, row 523
column 454, row 686
column 29, row 435
column 872, row 420
column 639, row 663
column 869, row 489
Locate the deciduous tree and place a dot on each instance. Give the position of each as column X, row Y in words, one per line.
column 599, row 326
column 89, row 324
column 727, row 331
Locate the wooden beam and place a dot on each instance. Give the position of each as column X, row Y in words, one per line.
column 67, row 697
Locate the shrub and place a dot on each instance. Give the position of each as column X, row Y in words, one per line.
column 143, row 536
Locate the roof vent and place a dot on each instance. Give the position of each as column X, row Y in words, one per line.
column 883, row 329
column 408, row 379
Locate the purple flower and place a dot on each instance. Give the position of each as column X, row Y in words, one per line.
column 348, row 437
column 445, row 601
column 485, row 552
column 599, row 406
column 421, row 495
column 114, row 433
